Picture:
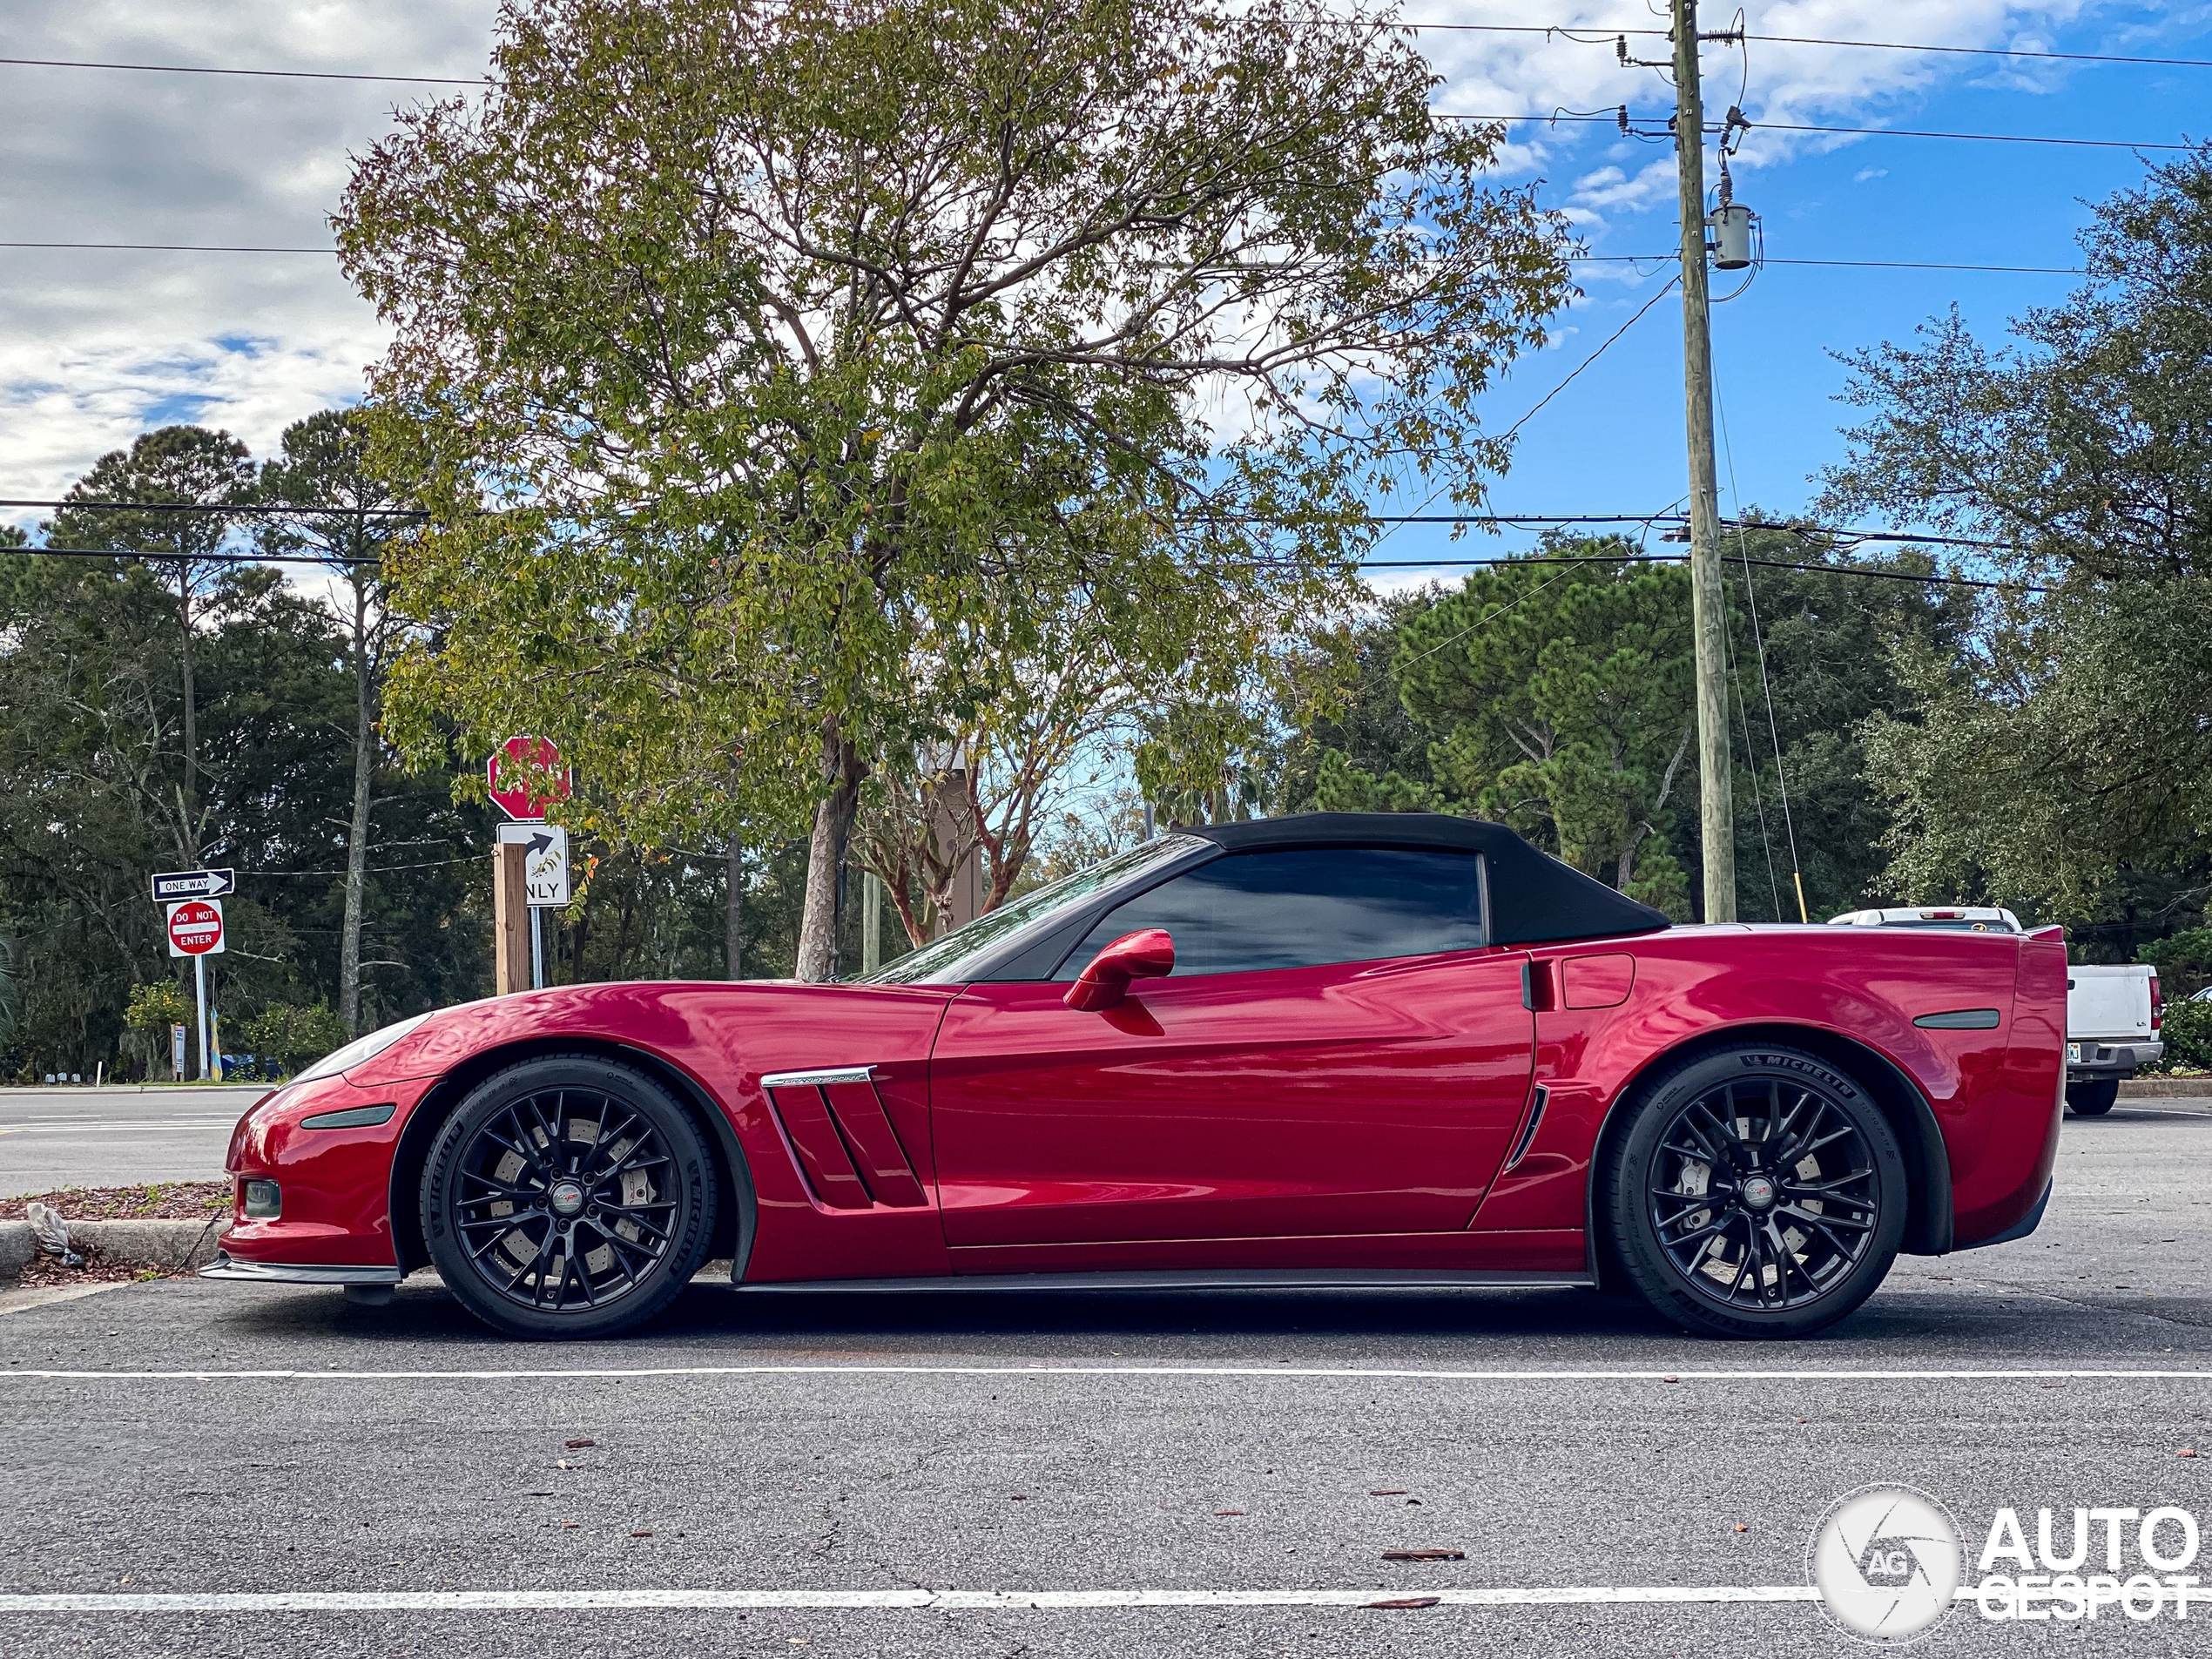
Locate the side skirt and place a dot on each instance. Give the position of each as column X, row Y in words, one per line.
column 1207, row 1279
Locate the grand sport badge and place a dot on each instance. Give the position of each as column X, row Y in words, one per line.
column 1886, row 1561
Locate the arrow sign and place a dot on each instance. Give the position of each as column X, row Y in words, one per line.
column 509, row 773
column 193, row 884
column 196, row 928
column 545, row 862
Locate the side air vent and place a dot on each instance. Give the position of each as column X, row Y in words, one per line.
column 1528, row 1135
column 848, row 1151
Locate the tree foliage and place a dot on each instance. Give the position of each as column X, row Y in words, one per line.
column 767, row 361
column 1554, row 697
column 2063, row 766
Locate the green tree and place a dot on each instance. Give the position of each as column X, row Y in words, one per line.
column 337, row 506
column 180, row 479
column 1555, row 696
column 2064, row 766
column 1814, row 654
column 92, row 770
column 753, row 351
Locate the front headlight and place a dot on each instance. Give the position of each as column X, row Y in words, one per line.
column 359, row 1050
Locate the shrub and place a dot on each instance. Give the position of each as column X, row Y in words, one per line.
column 2187, row 1031
column 284, row 1038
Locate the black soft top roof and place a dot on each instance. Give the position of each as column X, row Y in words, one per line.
column 1534, row 898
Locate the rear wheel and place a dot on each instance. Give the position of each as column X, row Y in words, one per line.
column 2093, row 1096
column 568, row 1197
column 1758, row 1192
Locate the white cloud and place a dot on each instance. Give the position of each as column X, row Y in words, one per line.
column 95, row 346
column 1865, row 173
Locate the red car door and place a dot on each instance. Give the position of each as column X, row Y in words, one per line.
column 1252, row 1094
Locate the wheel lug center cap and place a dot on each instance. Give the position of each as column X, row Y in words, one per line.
column 566, row 1197
column 1760, row 1191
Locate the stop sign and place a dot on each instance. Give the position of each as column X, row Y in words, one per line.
column 506, row 773
column 195, row 927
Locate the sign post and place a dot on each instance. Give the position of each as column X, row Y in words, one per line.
column 196, row 930
column 508, row 775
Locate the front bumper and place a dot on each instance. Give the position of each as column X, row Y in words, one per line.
column 227, row 1266
column 2088, row 1058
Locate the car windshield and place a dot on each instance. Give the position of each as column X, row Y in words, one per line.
column 942, row 960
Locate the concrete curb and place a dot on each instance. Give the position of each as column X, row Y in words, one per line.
column 150, row 1243
column 2165, row 1087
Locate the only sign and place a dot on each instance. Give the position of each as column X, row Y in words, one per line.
column 195, row 927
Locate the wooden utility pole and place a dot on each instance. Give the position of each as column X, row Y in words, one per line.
column 1709, row 611
column 511, row 911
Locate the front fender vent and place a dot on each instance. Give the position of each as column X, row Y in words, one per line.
column 848, row 1151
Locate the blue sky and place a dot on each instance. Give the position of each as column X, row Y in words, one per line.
column 95, row 346
column 1613, row 442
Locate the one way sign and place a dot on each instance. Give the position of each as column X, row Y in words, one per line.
column 193, row 884
column 546, row 863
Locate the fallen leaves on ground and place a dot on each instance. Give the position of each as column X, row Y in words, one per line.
column 43, row 1270
column 163, row 1201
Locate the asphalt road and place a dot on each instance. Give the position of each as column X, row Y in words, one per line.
column 109, row 1137
column 1176, row 1446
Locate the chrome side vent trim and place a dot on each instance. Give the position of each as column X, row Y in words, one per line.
column 1528, row 1134
column 818, row 1079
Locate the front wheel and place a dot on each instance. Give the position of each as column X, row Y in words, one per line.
column 568, row 1197
column 1758, row 1192
column 2092, row 1097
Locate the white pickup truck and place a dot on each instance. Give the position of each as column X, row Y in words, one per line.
column 2113, row 1013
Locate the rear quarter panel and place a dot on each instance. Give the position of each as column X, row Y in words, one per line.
column 1991, row 1091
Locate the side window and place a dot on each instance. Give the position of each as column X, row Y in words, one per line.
column 1299, row 909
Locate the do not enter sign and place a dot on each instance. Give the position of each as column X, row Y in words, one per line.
column 195, row 928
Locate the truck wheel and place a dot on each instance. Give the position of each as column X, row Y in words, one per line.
column 2093, row 1096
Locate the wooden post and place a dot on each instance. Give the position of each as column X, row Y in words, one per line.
column 1707, row 602
column 510, row 910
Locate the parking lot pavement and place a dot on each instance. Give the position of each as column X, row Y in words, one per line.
column 1173, row 1448
column 116, row 1137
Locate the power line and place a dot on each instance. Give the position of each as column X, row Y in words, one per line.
column 1615, row 118
column 1574, row 32
column 259, row 74
column 1584, row 364
column 1574, row 258
column 151, row 555
column 1578, row 34
column 283, row 508
column 167, row 248
column 1682, row 558
column 1856, row 265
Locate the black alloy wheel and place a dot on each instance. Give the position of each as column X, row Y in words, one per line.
column 1758, row 1192
column 568, row 1197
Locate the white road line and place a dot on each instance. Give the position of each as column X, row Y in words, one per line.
column 112, row 1128
column 1685, row 1374
column 979, row 1600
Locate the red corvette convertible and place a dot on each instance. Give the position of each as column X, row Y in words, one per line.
column 1336, row 1049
